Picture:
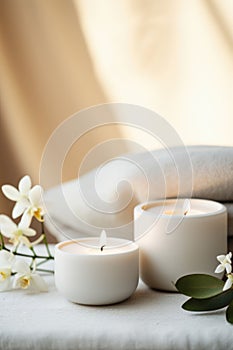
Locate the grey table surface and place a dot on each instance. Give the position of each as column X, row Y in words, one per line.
column 148, row 320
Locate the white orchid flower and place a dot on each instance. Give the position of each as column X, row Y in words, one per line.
column 35, row 207
column 30, row 244
column 20, row 195
column 25, row 278
column 6, row 262
column 16, row 233
column 229, row 282
column 225, row 263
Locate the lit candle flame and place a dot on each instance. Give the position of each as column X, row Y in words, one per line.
column 103, row 240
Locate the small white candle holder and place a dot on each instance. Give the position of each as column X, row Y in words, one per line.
column 197, row 237
column 90, row 274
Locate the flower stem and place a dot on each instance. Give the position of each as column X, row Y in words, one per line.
column 32, row 263
column 30, row 256
column 2, row 241
column 33, row 251
column 45, row 239
column 15, row 251
column 45, row 270
column 42, row 262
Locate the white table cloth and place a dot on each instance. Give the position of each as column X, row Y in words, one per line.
column 148, row 320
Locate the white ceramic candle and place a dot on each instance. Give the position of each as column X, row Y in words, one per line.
column 86, row 274
column 191, row 247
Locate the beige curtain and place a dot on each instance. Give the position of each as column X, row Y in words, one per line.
column 59, row 56
column 46, row 75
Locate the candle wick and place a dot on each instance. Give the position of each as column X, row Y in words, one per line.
column 186, row 206
column 102, row 248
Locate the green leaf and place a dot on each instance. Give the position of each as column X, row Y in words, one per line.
column 213, row 303
column 229, row 313
column 199, row 286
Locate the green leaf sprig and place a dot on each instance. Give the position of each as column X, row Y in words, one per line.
column 207, row 292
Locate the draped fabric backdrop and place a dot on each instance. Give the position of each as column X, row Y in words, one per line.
column 59, row 56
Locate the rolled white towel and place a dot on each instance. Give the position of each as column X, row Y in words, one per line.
column 105, row 197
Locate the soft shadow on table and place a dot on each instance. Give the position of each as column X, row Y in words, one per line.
column 142, row 296
column 208, row 313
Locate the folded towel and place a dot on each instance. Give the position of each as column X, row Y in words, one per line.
column 229, row 207
column 105, row 197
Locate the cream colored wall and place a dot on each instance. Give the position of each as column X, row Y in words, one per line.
column 57, row 57
column 173, row 56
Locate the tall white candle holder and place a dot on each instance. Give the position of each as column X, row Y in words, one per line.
column 190, row 245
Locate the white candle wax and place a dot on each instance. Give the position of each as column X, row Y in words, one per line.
column 169, row 209
column 85, row 274
column 190, row 247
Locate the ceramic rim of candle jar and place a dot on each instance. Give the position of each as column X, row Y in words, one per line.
column 217, row 209
column 150, row 204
